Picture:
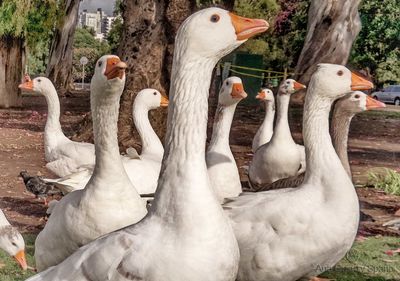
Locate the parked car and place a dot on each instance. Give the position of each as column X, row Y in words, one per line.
column 390, row 94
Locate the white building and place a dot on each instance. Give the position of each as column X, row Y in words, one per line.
column 98, row 21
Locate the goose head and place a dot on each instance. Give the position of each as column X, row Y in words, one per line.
column 214, row 32
column 333, row 81
column 231, row 92
column 266, row 95
column 151, row 99
column 109, row 74
column 357, row 101
column 37, row 85
column 290, row 86
column 12, row 243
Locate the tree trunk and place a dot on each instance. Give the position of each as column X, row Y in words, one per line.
column 148, row 36
column 59, row 67
column 333, row 25
column 12, row 61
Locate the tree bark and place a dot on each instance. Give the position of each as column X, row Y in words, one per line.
column 147, row 42
column 12, row 61
column 333, row 25
column 59, row 68
column 149, row 31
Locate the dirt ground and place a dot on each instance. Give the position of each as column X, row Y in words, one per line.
column 374, row 143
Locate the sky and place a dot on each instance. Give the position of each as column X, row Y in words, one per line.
column 92, row 5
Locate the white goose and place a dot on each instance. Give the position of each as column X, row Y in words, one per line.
column 264, row 133
column 345, row 109
column 222, row 168
column 143, row 170
column 301, row 232
column 63, row 155
column 109, row 201
column 281, row 157
column 185, row 235
column 11, row 241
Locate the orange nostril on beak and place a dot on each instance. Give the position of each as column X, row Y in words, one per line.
column 238, row 91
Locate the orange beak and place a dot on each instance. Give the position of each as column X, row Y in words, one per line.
column 359, row 83
column 246, row 28
column 20, row 258
column 27, row 86
column 164, row 101
column 260, row 96
column 298, row 86
column 238, row 91
column 115, row 68
column 373, row 103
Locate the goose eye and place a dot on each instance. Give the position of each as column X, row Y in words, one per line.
column 100, row 63
column 214, row 18
column 39, row 80
column 227, row 83
column 155, row 93
column 340, row 73
column 357, row 96
column 14, row 244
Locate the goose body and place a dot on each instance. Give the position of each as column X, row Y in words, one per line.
column 11, row 241
column 143, row 170
column 185, row 235
column 291, row 233
column 345, row 109
column 109, row 201
column 264, row 133
column 281, row 157
column 221, row 165
column 63, row 155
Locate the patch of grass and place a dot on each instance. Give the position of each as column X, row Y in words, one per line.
column 10, row 270
column 382, row 113
column 389, row 182
column 367, row 261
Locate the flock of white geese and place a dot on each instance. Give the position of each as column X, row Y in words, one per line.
column 200, row 225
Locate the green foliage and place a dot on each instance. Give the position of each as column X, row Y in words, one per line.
column 280, row 47
column 378, row 44
column 85, row 44
column 31, row 19
column 114, row 35
column 389, row 182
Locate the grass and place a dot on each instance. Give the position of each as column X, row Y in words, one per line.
column 389, row 182
column 382, row 113
column 366, row 261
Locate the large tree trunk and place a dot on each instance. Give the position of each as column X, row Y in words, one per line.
column 333, row 25
column 59, row 67
column 12, row 61
column 148, row 36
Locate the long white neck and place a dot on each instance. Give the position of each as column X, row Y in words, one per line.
column 267, row 125
column 222, row 126
column 151, row 144
column 323, row 165
column 109, row 173
column 340, row 133
column 53, row 126
column 184, row 192
column 282, row 129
